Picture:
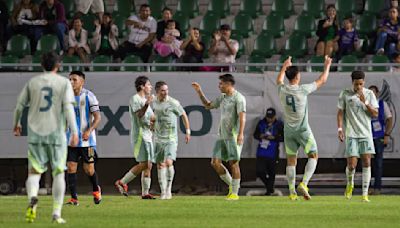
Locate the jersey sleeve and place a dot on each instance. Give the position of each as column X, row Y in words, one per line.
column 177, row 107
column 135, row 104
column 241, row 105
column 68, row 102
column 22, row 102
column 341, row 101
column 372, row 100
column 217, row 102
column 309, row 88
column 93, row 103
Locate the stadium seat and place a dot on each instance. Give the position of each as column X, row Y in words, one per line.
column 47, row 43
column 296, row 45
column 184, row 22
column 345, row 8
column 206, row 39
column 10, row 6
column 305, row 24
column 240, row 40
column 348, row 59
column 156, row 7
column 243, row 25
column 160, row 59
column 379, row 59
column 70, row 59
column 264, row 46
column 255, row 59
column 69, row 8
column 283, row 59
column 101, row 59
column 274, row 25
column 283, row 7
column 119, row 21
column 88, row 23
column 36, row 59
column 251, row 7
column 19, row 46
column 315, row 8
column 125, row 7
column 366, row 25
column 374, row 7
column 209, row 23
column 316, row 59
column 132, row 59
column 219, row 7
column 189, row 7
column 9, row 59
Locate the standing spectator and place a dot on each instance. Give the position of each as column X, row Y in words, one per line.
column 105, row 37
column 326, row 32
column 269, row 132
column 381, row 129
column 170, row 43
column 96, row 6
column 162, row 24
column 78, row 41
column 223, row 49
column 143, row 30
column 194, row 49
column 388, row 34
column 52, row 14
column 347, row 39
column 3, row 25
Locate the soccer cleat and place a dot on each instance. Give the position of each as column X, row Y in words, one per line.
column 349, row 191
column 168, row 196
column 365, row 199
column 73, row 202
column 303, row 189
column 148, row 196
column 57, row 219
column 232, row 196
column 293, row 197
column 31, row 211
column 163, row 196
column 97, row 195
column 121, row 187
column 229, row 191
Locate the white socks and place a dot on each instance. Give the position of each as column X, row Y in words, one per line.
column 170, row 178
column 58, row 193
column 350, row 176
column 309, row 170
column 291, row 178
column 32, row 185
column 227, row 178
column 162, row 180
column 235, row 186
column 146, row 182
column 366, row 179
column 129, row 176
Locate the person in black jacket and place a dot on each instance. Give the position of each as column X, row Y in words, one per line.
column 326, row 32
column 162, row 24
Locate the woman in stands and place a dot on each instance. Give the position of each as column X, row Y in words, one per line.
column 326, row 32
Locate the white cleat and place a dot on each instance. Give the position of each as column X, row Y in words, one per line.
column 58, row 220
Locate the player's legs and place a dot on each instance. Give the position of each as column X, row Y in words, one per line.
column 219, row 153
column 146, row 182
column 307, row 141
column 350, row 171
column 366, row 175
column 162, row 178
column 89, row 158
column 170, row 177
column 291, row 175
column 235, row 169
column 73, row 157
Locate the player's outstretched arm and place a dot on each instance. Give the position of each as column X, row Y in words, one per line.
column 324, row 76
column 196, row 86
column 187, row 126
column 281, row 75
column 340, row 124
column 242, row 122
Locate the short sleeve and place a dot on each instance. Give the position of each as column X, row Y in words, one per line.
column 177, row 107
column 217, row 102
column 241, row 105
column 309, row 88
column 372, row 100
column 93, row 102
column 135, row 104
column 69, row 94
column 341, row 101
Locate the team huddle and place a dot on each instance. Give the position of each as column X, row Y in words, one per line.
column 63, row 116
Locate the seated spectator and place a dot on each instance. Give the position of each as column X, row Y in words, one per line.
column 388, row 34
column 78, row 41
column 143, row 30
column 169, row 43
column 222, row 50
column 162, row 24
column 347, row 39
column 23, row 20
column 3, row 25
column 326, row 32
column 193, row 49
column 396, row 60
column 105, row 36
column 52, row 14
column 96, row 6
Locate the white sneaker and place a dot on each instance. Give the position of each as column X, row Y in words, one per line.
column 380, row 51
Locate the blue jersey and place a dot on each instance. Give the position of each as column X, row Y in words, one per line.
column 268, row 148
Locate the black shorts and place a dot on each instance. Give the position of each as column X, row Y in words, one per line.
column 88, row 154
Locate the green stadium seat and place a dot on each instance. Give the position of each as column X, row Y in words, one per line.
column 36, row 59
column 210, row 23
column 88, row 23
column 379, row 59
column 70, row 59
column 316, row 59
column 243, row 25
column 274, row 25
column 156, row 7
column 69, row 8
column 240, row 40
column 345, row 8
column 283, row 7
column 305, row 24
column 315, row 8
column 264, row 46
column 296, row 45
column 160, row 59
column 9, row 59
column 189, row 7
column 251, row 7
column 374, row 7
column 10, row 5
column 125, row 7
column 366, row 25
column 219, row 7
column 19, row 46
column 255, row 59
column 132, row 59
column 348, row 59
column 101, row 59
column 119, row 21
column 184, row 22
column 47, row 43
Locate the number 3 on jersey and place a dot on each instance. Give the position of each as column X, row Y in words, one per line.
column 47, row 96
column 291, row 102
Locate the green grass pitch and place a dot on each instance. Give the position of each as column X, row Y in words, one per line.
column 210, row 211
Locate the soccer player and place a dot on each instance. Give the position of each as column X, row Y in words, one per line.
column 50, row 99
column 293, row 97
column 357, row 105
column 166, row 110
column 88, row 117
column 230, row 133
column 142, row 119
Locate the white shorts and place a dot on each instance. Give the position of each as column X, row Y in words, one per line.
column 96, row 6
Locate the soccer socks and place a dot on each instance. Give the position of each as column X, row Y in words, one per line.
column 350, row 176
column 235, row 186
column 291, row 178
column 72, row 178
column 32, row 185
column 170, row 178
column 366, row 179
column 227, row 178
column 58, row 193
column 146, row 182
column 95, row 182
column 129, row 176
column 162, row 180
column 309, row 170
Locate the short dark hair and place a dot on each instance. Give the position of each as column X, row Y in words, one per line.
column 166, row 9
column 171, row 21
column 144, row 6
column 291, row 72
column 357, row 74
column 330, row 6
column 108, row 14
column 79, row 73
column 159, row 84
column 140, row 81
column 49, row 60
column 227, row 78
column 195, row 28
column 374, row 87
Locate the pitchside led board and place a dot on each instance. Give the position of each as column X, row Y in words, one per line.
column 114, row 90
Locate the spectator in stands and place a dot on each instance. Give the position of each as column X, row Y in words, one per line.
column 3, row 25
column 23, row 20
column 381, row 129
column 105, row 36
column 169, row 43
column 78, row 41
column 96, row 6
column 396, row 59
column 347, row 39
column 193, row 49
column 326, row 32
column 162, row 24
column 143, row 30
column 388, row 34
column 52, row 14
column 269, row 133
column 223, row 49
